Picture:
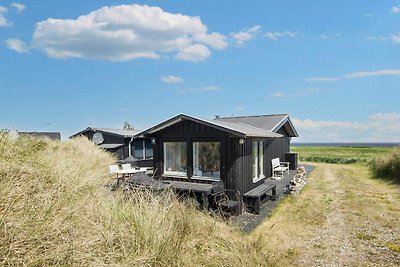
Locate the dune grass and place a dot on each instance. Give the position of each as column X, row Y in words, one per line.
column 387, row 166
column 56, row 210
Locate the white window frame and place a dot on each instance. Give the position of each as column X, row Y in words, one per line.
column 258, row 160
column 195, row 158
column 173, row 173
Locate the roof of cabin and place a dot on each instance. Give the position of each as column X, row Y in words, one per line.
column 120, row 132
column 272, row 122
column 235, row 128
column 51, row 135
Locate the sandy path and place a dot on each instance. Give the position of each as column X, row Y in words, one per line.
column 343, row 218
column 334, row 233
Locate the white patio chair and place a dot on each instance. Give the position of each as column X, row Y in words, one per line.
column 279, row 168
column 126, row 166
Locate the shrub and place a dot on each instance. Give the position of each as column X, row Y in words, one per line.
column 387, row 166
column 328, row 159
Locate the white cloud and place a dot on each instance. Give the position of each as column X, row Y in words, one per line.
column 215, row 40
column 17, row 45
column 126, row 32
column 19, row 7
column 321, row 79
column 196, row 52
column 172, row 79
column 277, row 35
column 3, row 20
column 239, row 108
column 330, row 36
column 362, row 74
column 278, row 94
column 210, row 88
column 359, row 74
column 379, row 127
column 245, row 35
column 377, row 38
column 395, row 9
column 395, row 38
column 304, row 92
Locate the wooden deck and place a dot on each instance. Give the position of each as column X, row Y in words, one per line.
column 248, row 221
column 202, row 190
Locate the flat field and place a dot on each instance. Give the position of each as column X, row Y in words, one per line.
column 343, row 155
column 343, row 217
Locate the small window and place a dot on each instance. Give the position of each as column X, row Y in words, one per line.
column 206, row 160
column 258, row 161
column 138, row 145
column 175, row 158
column 148, row 149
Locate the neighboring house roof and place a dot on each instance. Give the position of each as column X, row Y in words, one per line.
column 236, row 129
column 119, row 132
column 110, row 146
column 51, row 135
column 272, row 122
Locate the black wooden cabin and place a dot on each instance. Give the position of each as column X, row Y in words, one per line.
column 236, row 150
column 122, row 143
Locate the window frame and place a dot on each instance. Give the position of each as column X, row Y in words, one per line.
column 209, row 178
column 258, row 156
column 144, row 149
column 174, row 173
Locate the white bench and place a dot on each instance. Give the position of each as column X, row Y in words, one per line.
column 279, row 168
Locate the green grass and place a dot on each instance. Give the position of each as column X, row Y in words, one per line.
column 340, row 155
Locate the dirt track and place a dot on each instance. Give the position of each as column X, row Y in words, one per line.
column 342, row 218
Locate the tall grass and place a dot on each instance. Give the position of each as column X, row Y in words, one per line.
column 388, row 166
column 55, row 210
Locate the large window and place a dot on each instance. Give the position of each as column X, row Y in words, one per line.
column 258, row 161
column 206, row 159
column 175, row 158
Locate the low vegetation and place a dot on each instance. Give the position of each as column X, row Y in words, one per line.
column 55, row 209
column 388, row 166
column 343, row 217
column 340, row 155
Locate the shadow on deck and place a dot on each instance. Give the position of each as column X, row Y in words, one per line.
column 247, row 222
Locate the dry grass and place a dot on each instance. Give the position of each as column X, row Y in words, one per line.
column 55, row 210
column 342, row 218
column 388, row 166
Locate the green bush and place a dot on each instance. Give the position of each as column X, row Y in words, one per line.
column 387, row 166
column 329, row 159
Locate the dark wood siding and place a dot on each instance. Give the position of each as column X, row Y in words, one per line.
column 120, row 152
column 189, row 132
column 236, row 158
column 273, row 148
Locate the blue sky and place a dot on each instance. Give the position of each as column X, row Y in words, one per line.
column 333, row 66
